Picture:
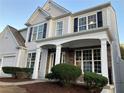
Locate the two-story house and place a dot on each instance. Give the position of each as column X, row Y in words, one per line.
column 87, row 39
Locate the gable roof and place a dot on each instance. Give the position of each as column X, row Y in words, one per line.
column 57, row 5
column 45, row 13
column 18, row 37
column 39, row 9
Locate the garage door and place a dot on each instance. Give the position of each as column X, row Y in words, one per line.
column 9, row 61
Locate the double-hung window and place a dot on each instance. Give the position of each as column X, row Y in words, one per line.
column 59, row 28
column 92, row 21
column 82, row 23
column 31, row 60
column 34, row 35
column 88, row 22
column 40, row 32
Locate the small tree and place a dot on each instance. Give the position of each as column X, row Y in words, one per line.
column 64, row 73
column 95, row 82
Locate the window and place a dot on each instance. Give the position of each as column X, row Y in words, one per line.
column 62, row 60
column 78, row 58
column 59, row 28
column 31, row 60
column 82, row 24
column 40, row 32
column 89, row 58
column 92, row 21
column 87, row 66
column 97, row 66
column 88, row 22
column 97, row 60
column 34, row 33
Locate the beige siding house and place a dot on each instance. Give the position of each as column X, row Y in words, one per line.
column 87, row 39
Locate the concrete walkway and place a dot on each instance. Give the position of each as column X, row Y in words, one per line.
column 21, row 83
column 12, row 89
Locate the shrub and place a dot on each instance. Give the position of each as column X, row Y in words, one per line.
column 50, row 76
column 14, row 71
column 65, row 73
column 94, row 80
column 11, row 70
column 28, row 71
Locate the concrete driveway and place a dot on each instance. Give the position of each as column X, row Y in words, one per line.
column 12, row 89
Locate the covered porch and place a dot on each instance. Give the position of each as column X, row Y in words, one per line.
column 89, row 53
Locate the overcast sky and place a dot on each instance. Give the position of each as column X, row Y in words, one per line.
column 17, row 12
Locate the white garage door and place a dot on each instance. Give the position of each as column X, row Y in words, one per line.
column 9, row 61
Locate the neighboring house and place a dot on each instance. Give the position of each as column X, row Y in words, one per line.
column 87, row 39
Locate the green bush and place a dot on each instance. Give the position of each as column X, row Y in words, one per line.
column 50, row 76
column 65, row 73
column 11, row 70
column 15, row 70
column 94, row 80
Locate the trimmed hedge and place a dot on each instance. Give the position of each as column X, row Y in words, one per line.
column 94, row 80
column 65, row 73
column 15, row 70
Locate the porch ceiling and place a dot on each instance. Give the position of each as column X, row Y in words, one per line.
column 82, row 43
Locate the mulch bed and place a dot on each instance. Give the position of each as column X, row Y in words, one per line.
column 10, row 79
column 50, row 87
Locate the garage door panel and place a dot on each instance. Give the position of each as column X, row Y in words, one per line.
column 9, row 61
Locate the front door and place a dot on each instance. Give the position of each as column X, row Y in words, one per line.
column 52, row 61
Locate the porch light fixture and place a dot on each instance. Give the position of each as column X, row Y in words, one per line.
column 91, row 22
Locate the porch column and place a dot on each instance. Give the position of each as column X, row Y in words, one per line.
column 36, row 65
column 43, row 63
column 104, row 61
column 58, row 54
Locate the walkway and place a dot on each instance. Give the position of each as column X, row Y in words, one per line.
column 20, row 83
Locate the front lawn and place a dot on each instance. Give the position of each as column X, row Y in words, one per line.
column 50, row 87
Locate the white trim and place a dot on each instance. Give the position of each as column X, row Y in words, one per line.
column 86, row 16
column 62, row 57
column 9, row 55
column 36, row 63
column 30, row 59
column 58, row 54
column 28, row 33
column 92, row 49
column 60, row 20
column 51, row 61
column 37, row 25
